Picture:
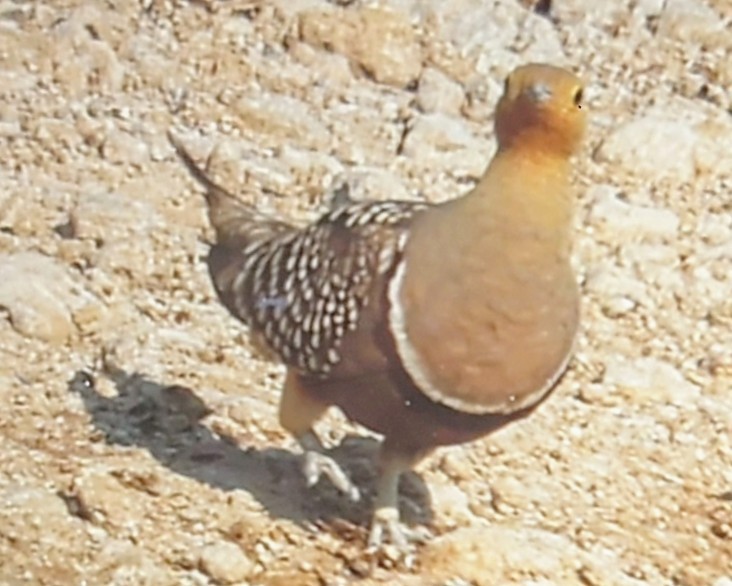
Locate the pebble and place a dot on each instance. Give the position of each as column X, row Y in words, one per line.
column 225, row 563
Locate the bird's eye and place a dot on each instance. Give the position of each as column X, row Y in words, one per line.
column 577, row 97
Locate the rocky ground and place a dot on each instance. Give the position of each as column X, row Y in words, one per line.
column 139, row 441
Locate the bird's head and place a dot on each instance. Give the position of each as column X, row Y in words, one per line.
column 541, row 109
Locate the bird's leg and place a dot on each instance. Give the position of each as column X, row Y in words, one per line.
column 298, row 413
column 393, row 463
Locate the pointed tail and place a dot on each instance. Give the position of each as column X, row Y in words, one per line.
column 236, row 223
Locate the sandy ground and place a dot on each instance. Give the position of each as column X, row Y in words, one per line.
column 138, row 434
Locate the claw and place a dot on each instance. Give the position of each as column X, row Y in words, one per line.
column 316, row 465
column 386, row 528
column 386, row 519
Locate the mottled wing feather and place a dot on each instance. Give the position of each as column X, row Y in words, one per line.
column 303, row 291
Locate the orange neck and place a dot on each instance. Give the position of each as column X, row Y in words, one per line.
column 524, row 193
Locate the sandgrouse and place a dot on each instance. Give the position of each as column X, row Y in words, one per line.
column 429, row 324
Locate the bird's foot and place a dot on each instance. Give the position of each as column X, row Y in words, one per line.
column 316, row 465
column 387, row 530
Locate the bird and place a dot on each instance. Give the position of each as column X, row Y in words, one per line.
column 431, row 324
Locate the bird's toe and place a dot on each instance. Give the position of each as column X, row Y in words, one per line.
column 387, row 530
column 316, row 465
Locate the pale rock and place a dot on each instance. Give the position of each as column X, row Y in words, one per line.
column 309, row 168
column 495, row 554
column 59, row 137
column 657, row 265
column 712, row 154
column 363, row 134
column 278, row 118
column 130, row 564
column 452, row 503
column 88, row 21
column 39, row 518
column 225, row 563
column 92, row 131
column 149, row 64
column 516, row 493
column 691, row 21
column 714, row 228
column 123, row 229
column 111, row 216
column 723, row 581
column 42, row 297
column 122, row 148
column 678, row 142
column 617, row 290
column 238, row 163
column 704, row 286
column 481, row 95
column 474, row 27
column 540, row 41
column 84, row 57
column 650, row 7
column 103, row 499
column 37, row 503
column 617, row 306
column 574, row 10
column 439, row 93
column 650, row 255
column 445, row 142
column 464, row 553
column 624, row 219
column 652, row 146
column 376, row 183
column 458, row 465
column 294, row 7
column 438, row 131
column 649, row 380
column 104, row 67
column 377, row 40
column 329, row 68
column 13, row 81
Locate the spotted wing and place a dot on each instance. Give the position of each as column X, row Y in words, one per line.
column 303, row 291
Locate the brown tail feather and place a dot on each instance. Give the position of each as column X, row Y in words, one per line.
column 236, row 223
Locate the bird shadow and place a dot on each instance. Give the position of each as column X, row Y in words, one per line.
column 169, row 422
